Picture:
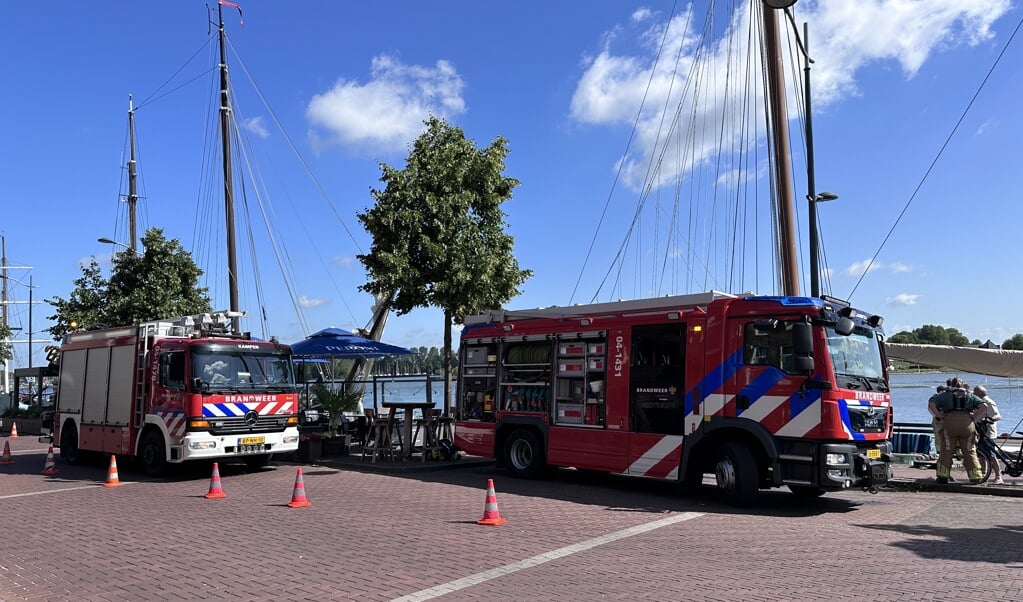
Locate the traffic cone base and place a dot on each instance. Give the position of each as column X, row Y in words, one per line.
column 50, row 467
column 491, row 515
column 6, row 458
column 298, row 499
column 215, row 492
column 14, row 430
column 112, row 478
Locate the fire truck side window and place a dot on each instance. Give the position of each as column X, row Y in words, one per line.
column 173, row 373
column 657, row 379
column 769, row 347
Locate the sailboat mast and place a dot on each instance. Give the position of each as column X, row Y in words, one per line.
column 225, row 136
column 782, row 160
column 133, row 195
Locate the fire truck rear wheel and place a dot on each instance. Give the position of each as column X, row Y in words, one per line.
column 69, row 444
column 152, row 455
column 523, row 454
column 736, row 474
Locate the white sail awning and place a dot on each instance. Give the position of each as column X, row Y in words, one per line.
column 993, row 362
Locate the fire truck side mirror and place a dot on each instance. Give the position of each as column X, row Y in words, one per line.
column 844, row 326
column 802, row 347
column 196, row 384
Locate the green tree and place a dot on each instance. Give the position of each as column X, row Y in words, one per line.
column 6, row 353
column 161, row 282
column 439, row 232
column 903, row 337
column 1014, row 343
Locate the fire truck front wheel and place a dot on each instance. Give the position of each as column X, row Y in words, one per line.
column 736, row 474
column 152, row 454
column 523, row 454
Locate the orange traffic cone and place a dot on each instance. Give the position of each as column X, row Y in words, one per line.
column 298, row 499
column 215, row 492
column 491, row 515
column 112, row 480
column 50, row 467
column 6, row 458
column 14, row 430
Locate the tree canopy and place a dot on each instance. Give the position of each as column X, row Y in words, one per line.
column 930, row 334
column 161, row 282
column 439, row 232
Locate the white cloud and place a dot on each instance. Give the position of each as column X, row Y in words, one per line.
column 859, row 267
column 641, row 14
column 345, row 262
column 386, row 113
column 311, row 302
column 902, row 299
column 700, row 81
column 257, row 127
column 899, row 267
column 984, row 127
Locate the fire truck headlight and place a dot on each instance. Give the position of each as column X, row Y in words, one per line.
column 291, row 439
column 198, row 424
column 836, row 459
column 202, row 445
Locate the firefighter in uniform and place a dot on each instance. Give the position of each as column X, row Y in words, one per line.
column 955, row 407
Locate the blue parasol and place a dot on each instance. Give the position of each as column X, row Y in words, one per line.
column 343, row 344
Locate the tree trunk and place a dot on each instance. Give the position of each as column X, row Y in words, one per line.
column 447, row 362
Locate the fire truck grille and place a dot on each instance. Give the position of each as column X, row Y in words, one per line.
column 237, row 426
column 868, row 419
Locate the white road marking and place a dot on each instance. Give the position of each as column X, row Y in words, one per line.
column 501, row 571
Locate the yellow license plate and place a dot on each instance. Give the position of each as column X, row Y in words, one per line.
column 251, row 440
column 873, row 453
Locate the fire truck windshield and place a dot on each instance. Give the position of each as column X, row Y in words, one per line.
column 857, row 358
column 242, row 371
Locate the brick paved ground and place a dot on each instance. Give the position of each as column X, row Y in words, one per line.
column 412, row 535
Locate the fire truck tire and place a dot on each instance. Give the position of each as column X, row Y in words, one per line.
column 152, row 454
column 69, row 444
column 736, row 474
column 523, row 455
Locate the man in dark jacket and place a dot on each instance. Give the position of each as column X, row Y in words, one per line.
column 955, row 407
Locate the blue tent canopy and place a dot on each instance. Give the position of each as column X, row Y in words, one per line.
column 335, row 342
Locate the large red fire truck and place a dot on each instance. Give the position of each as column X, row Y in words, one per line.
column 757, row 391
column 174, row 390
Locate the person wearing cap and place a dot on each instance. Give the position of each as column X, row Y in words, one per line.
column 985, row 417
column 955, row 410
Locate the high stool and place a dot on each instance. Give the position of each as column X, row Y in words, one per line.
column 381, row 438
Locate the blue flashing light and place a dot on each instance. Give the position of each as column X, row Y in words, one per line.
column 790, row 301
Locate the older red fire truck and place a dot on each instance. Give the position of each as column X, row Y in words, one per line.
column 174, row 390
column 757, row 391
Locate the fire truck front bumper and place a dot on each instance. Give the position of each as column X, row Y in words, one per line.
column 204, row 445
column 867, row 466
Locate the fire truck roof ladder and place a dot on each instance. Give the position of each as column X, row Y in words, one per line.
column 183, row 326
column 612, row 307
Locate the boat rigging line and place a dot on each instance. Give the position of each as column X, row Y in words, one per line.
column 940, row 152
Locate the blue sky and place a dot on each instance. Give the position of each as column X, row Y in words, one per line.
column 350, row 84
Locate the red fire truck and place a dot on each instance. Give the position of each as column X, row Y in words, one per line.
column 174, row 390
column 758, row 391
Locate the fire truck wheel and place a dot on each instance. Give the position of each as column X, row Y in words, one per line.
column 736, row 474
column 523, row 455
column 152, row 455
column 69, row 444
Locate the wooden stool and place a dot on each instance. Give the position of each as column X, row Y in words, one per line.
column 380, row 439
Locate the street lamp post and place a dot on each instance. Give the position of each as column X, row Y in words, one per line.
column 110, row 241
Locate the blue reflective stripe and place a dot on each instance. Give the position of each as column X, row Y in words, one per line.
column 760, row 386
column 843, row 411
column 713, row 380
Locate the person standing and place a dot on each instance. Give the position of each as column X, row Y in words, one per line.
column 935, row 421
column 955, row 408
column 985, row 418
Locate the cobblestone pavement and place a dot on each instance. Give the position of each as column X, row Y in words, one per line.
column 381, row 534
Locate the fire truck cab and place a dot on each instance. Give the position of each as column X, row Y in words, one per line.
column 757, row 391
